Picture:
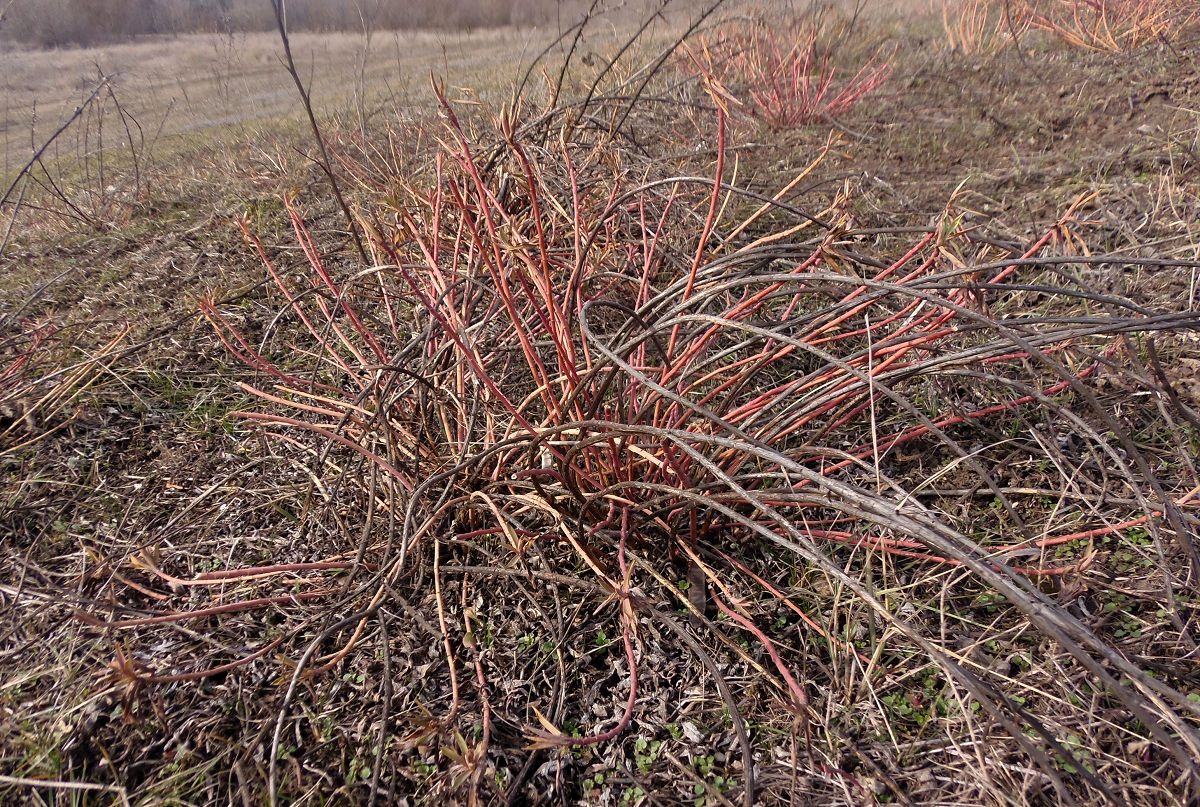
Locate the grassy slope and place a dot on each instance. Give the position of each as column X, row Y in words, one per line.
column 151, row 462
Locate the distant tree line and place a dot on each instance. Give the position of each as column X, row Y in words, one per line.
column 86, row 22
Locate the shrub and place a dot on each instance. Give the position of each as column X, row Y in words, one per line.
column 781, row 74
column 55, row 23
column 1111, row 25
column 981, row 26
column 548, row 351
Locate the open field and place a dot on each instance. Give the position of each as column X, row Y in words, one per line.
column 690, row 431
column 207, row 85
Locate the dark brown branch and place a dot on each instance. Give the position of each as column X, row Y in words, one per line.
column 326, row 165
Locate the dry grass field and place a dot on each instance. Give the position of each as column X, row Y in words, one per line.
column 791, row 405
column 209, row 85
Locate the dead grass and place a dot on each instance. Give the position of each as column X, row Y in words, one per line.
column 207, row 86
column 285, row 619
